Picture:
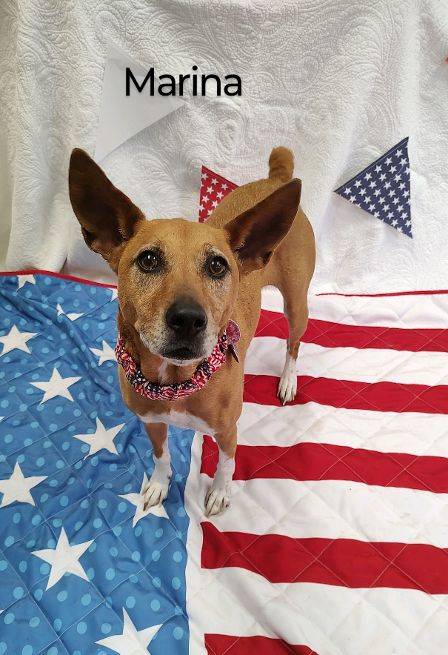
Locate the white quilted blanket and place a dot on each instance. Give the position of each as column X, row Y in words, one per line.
column 339, row 82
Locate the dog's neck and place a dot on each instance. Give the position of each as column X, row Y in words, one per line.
column 154, row 367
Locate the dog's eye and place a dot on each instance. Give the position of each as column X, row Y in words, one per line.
column 149, row 261
column 217, row 267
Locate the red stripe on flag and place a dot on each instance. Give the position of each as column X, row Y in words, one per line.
column 233, row 645
column 351, row 394
column 315, row 461
column 340, row 335
column 339, row 562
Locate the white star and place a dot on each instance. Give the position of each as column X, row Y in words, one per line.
column 408, row 223
column 395, row 222
column 352, row 198
column 205, row 198
column 23, row 279
column 138, row 501
column 392, row 169
column 210, row 189
column 377, row 168
column 131, row 641
column 362, row 192
column 390, row 215
column 17, row 487
column 204, row 176
column 367, row 199
column 114, row 293
column 386, row 207
column 214, row 181
column 56, row 386
column 357, row 183
column 201, row 207
column 347, row 190
column 387, row 185
column 215, row 203
column 397, row 177
column 101, row 438
column 63, row 559
column 403, row 161
column 398, row 153
column 376, row 214
column 376, row 192
column 71, row 316
column 219, row 195
column 371, row 207
column 382, row 177
column 400, row 207
column 105, row 353
column 16, row 340
column 388, row 161
column 402, row 185
column 224, row 186
column 405, row 194
column 372, row 184
column 367, row 176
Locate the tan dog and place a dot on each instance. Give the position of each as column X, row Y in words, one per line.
column 179, row 283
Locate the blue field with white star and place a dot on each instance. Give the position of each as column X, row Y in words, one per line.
column 84, row 569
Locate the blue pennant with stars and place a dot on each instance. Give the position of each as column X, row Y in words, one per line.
column 383, row 189
column 85, row 568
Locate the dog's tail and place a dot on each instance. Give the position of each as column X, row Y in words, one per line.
column 281, row 164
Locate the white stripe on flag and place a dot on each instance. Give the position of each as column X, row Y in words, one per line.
column 410, row 432
column 266, row 356
column 335, row 509
column 330, row 620
column 405, row 311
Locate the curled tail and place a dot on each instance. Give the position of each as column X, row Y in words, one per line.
column 281, row 164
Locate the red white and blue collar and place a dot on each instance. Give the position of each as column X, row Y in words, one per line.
column 202, row 374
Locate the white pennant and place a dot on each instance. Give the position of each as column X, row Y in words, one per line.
column 123, row 116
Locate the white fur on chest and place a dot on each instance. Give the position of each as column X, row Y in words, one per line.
column 180, row 420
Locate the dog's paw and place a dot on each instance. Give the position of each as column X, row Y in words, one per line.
column 217, row 501
column 155, row 493
column 287, row 387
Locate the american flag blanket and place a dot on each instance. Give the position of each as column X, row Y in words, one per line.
column 336, row 541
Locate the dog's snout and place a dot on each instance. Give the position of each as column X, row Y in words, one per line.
column 186, row 318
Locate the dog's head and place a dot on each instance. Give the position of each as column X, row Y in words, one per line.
column 177, row 280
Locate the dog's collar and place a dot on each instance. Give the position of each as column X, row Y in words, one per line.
column 202, row 374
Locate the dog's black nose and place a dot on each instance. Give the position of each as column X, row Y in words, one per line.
column 186, row 318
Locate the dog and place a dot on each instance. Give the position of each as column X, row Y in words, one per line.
column 189, row 299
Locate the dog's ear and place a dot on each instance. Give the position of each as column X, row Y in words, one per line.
column 107, row 217
column 254, row 235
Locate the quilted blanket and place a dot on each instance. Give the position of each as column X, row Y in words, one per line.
column 336, row 540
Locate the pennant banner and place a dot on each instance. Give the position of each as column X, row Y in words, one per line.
column 213, row 189
column 383, row 188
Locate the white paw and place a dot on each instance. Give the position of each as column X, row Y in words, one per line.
column 217, row 500
column 155, row 493
column 287, row 387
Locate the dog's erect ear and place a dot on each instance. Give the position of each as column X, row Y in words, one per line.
column 107, row 217
column 255, row 234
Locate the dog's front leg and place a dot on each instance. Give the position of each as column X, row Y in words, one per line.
column 217, row 498
column 157, row 488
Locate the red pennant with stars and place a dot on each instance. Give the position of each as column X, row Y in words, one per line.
column 214, row 188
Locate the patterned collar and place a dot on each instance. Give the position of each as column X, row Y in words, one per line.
column 203, row 373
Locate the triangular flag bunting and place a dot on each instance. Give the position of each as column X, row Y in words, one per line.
column 383, row 188
column 214, row 188
column 123, row 116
